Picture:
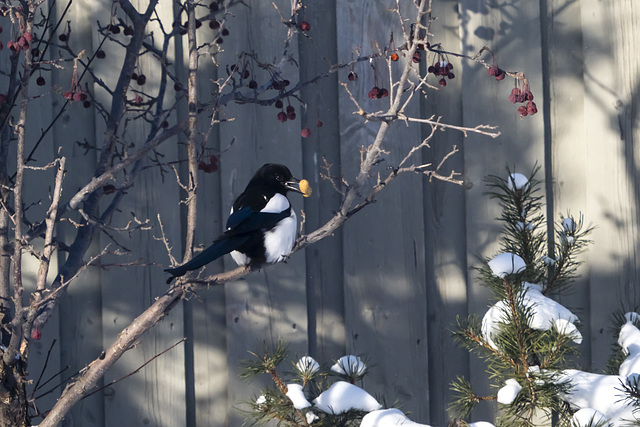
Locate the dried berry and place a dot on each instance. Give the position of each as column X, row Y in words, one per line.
column 115, row 29
column 501, row 75
column 253, row 84
column 3, row 98
column 246, row 74
column 28, row 36
column 282, row 116
column 305, row 133
column 522, row 110
column 36, row 334
column 165, row 124
column 493, row 71
column 225, row 32
column 35, row 52
column 319, row 124
column 451, row 76
column 432, row 69
column 279, row 104
column 141, row 80
column 134, row 76
column 198, row 23
column 352, row 76
column 61, row 37
column 177, row 87
column 109, row 189
column 305, row 26
column 214, row 25
column 86, row 104
column 291, row 116
column 40, row 81
column 100, row 54
column 417, row 56
column 128, row 31
column 531, row 108
column 373, row 93
column 383, row 93
column 442, row 82
column 290, row 109
column 76, row 96
column 68, row 95
column 394, row 57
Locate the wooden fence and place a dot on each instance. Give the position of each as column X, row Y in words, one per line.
column 390, row 284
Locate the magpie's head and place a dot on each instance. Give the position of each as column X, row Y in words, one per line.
column 278, row 177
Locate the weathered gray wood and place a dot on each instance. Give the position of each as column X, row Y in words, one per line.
column 610, row 115
column 385, row 292
column 444, row 203
column 269, row 304
column 513, row 34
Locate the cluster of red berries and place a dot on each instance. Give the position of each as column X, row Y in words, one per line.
column 21, row 44
column 210, row 167
column 522, row 95
column 377, row 92
column 290, row 112
column 77, row 95
column 442, row 68
column 496, row 72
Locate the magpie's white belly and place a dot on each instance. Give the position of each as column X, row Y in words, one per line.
column 279, row 241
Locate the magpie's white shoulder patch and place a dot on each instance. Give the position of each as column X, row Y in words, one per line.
column 277, row 204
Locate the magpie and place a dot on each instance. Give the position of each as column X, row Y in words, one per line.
column 262, row 226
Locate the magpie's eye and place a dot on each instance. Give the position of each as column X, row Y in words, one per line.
column 278, row 177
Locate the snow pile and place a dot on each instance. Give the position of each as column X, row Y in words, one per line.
column 588, row 417
column 508, row 393
column 295, row 393
column 547, row 313
column 506, row 263
column 349, row 365
column 388, row 418
column 601, row 395
column 343, row 396
column 517, row 181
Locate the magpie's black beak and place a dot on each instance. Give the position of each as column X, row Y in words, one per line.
column 293, row 185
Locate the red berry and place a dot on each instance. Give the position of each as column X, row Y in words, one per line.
column 279, row 104
column 213, row 159
column 291, row 116
column 493, row 71
column 40, row 81
column 522, row 110
column 290, row 109
column 76, row 96
column 528, row 95
column 382, row 93
column 394, row 57
column 201, row 165
column 501, row 75
column 141, row 80
column 373, row 93
column 12, row 46
column 305, row 26
column 432, row 69
column 513, row 98
column 531, row 108
column 68, row 95
column 28, row 36
column 319, row 124
column 246, row 74
column 282, row 116
column 449, row 66
column 100, row 54
column 22, row 41
column 36, row 334
column 451, row 76
column 138, row 100
column 442, row 82
column 417, row 56
column 25, row 46
column 352, row 76
column 305, row 133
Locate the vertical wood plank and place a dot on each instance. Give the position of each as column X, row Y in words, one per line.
column 269, row 304
column 512, row 32
column 445, row 232
column 385, row 291
column 610, row 32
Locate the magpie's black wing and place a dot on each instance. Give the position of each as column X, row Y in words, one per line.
column 247, row 220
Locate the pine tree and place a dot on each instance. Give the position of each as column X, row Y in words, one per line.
column 525, row 337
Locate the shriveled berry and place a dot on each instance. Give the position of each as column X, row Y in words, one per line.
column 305, row 26
column 68, row 95
column 442, row 82
column 290, row 109
column 253, row 84
column 134, row 76
column 219, row 40
column 305, row 133
column 0, row 28
column 214, row 25
column 3, row 98
column 394, row 57
column 432, row 69
column 86, row 104
column 282, row 116
column 291, row 116
column 76, row 96
column 165, row 124
column 383, row 93
column 213, row 159
column 13, row 47
column 36, row 334
column 279, row 103
column 109, row 189
column 493, row 71
column 319, row 124
column 40, row 81
column 513, row 98
column 22, row 41
column 225, row 32
column 128, row 31
column 528, row 95
column 35, row 52
column 25, row 46
column 28, row 36
column 451, row 76
column 417, row 56
column 373, row 93
column 449, row 66
column 501, row 75
column 141, row 80
column 115, row 29
column 531, row 108
column 83, row 96
column 522, row 110
column 100, row 54
column 63, row 37
column 246, row 74
column 201, row 165
column 352, row 76
column 138, row 99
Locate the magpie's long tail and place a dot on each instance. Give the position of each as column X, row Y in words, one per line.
column 220, row 247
